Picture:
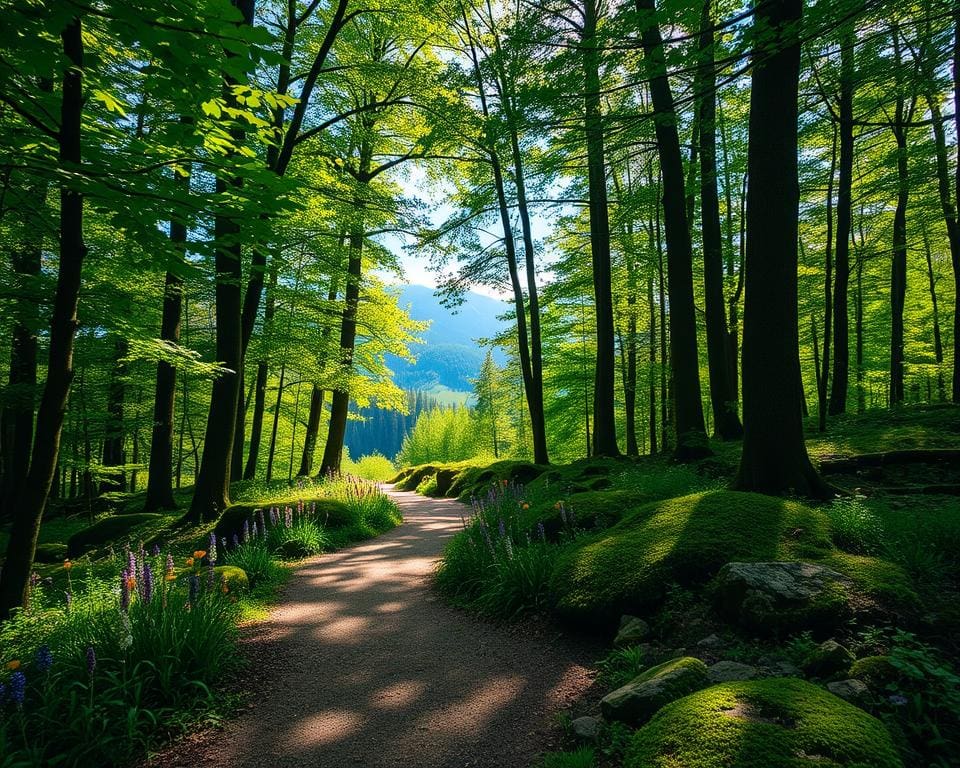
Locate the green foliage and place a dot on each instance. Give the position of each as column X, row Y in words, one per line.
column 302, row 539
column 374, row 466
column 762, row 724
column 584, row 757
column 923, row 701
column 255, row 559
column 441, row 435
column 155, row 666
column 620, row 666
column 112, row 529
column 854, row 528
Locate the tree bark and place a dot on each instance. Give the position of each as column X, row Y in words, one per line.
column 17, row 419
column 605, row 374
column 160, row 476
column 841, row 325
column 684, row 358
column 723, row 396
column 823, row 372
column 212, row 488
column 32, row 499
column 774, row 458
column 112, row 449
column 956, row 207
column 898, row 267
column 260, row 387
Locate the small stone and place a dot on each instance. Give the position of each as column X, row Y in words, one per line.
column 849, row 690
column 730, row 671
column 586, row 728
column 710, row 641
column 632, row 631
column 829, row 659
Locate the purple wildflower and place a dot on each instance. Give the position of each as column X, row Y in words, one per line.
column 131, row 563
column 3, row 692
column 194, row 587
column 156, row 550
column 44, row 659
column 256, row 530
column 503, row 528
column 273, row 516
column 18, row 687
column 246, row 531
column 68, row 596
column 169, row 566
column 91, row 659
column 223, row 543
column 288, row 518
column 124, row 590
column 897, row 700
column 236, row 541
column 541, row 532
column 34, row 579
column 146, row 588
column 212, row 548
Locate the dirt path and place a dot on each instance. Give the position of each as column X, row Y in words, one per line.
column 362, row 665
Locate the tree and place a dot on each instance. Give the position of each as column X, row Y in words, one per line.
column 774, row 458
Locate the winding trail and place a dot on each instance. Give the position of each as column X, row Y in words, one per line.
column 361, row 664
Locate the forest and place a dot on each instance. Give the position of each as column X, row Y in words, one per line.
column 725, row 246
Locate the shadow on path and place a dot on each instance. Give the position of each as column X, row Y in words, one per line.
column 362, row 665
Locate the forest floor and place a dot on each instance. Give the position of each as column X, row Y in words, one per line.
column 361, row 663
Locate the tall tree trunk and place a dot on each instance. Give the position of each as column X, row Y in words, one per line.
column 841, row 326
column 260, row 387
column 937, row 339
column 684, row 359
column 898, row 269
column 340, row 402
column 823, row 373
column 112, row 451
column 722, row 387
column 774, row 458
column 22, row 383
column 212, row 488
column 313, row 430
column 272, row 451
column 652, row 373
column 956, row 203
column 605, row 374
column 160, row 477
column 32, row 499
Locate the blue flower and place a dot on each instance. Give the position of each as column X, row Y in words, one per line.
column 44, row 658
column 18, row 687
column 91, row 659
column 897, row 700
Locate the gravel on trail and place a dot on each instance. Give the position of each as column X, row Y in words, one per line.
column 362, row 664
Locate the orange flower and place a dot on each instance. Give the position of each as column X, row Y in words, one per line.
column 190, row 562
column 503, row 483
column 67, row 565
column 557, row 505
column 225, row 588
column 524, row 506
column 131, row 582
column 199, row 554
column 170, row 577
column 12, row 665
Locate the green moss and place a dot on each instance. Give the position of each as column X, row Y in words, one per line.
column 881, row 580
column 111, row 529
column 781, row 723
column 592, row 510
column 428, row 486
column 235, row 577
column 329, row 513
column 876, row 671
column 685, row 540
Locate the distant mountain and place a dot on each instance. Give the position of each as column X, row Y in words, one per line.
column 450, row 356
column 447, row 361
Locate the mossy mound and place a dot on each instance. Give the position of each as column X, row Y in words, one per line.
column 108, row 530
column 50, row 553
column 638, row 700
column 685, row 540
column 329, row 513
column 590, row 511
column 234, row 576
column 777, row 723
column 876, row 671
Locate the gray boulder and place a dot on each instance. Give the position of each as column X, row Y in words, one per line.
column 730, row 671
column 779, row 597
column 853, row 691
column 639, row 700
column 829, row 659
column 633, row 630
column 586, row 729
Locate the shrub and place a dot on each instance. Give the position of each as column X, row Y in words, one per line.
column 255, row 559
column 302, row 539
column 375, row 466
column 855, row 528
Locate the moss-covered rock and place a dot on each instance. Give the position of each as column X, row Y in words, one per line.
column 234, row 576
column 684, row 540
column 50, row 553
column 638, row 700
column 876, row 671
column 108, row 530
column 633, row 630
column 774, row 723
column 778, row 597
column 829, row 659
